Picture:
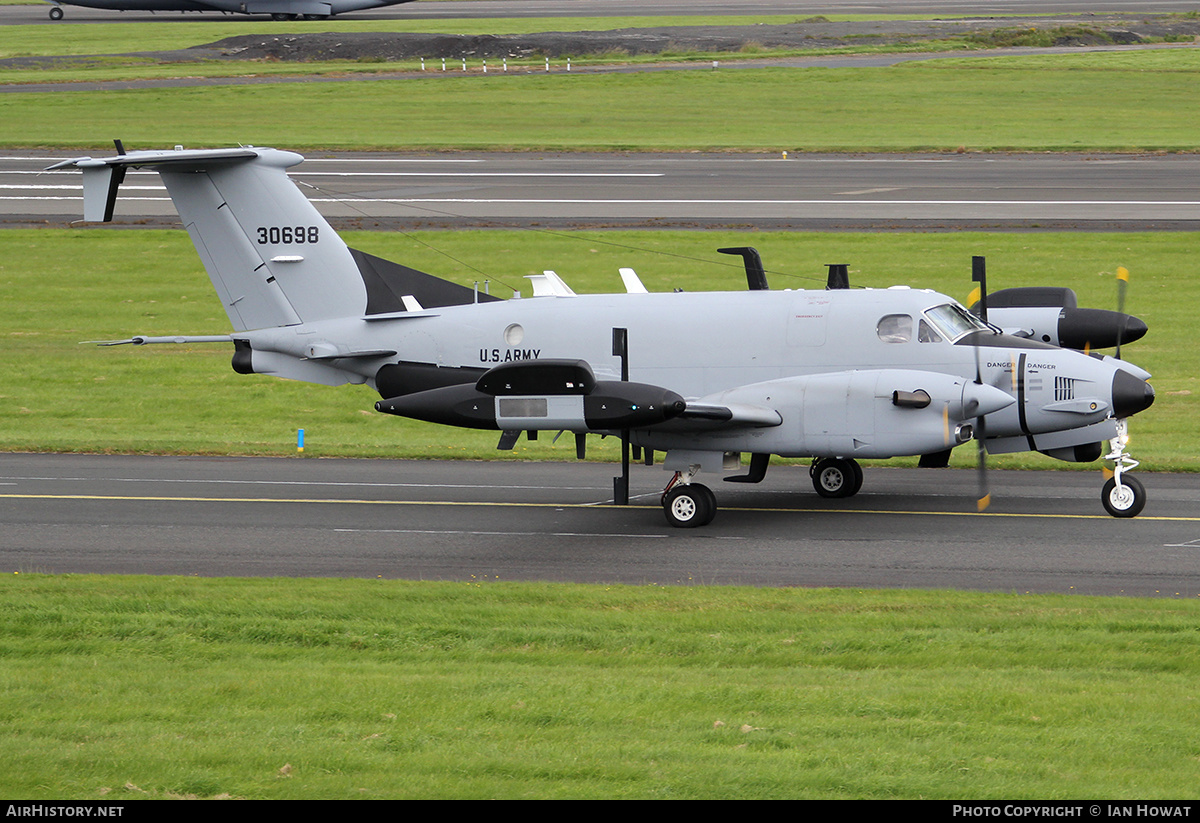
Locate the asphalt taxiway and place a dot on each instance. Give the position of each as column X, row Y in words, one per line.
column 451, row 520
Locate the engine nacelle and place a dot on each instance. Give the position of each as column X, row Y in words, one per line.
column 1052, row 315
column 868, row 414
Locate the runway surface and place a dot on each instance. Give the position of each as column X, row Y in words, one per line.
column 1046, row 531
column 388, row 191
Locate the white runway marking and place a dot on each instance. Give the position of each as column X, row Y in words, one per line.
column 698, row 201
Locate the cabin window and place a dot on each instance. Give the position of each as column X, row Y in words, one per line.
column 895, row 328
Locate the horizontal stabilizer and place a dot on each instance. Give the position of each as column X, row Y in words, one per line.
column 143, row 340
column 102, row 178
column 272, row 258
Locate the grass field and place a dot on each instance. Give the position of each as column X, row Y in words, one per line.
column 123, row 688
column 1110, row 102
column 63, row 287
column 105, row 52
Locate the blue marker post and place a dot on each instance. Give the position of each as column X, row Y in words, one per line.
column 300, row 441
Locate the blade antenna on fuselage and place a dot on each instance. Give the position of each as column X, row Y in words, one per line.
column 756, row 275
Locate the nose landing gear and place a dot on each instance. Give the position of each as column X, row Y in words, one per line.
column 1122, row 496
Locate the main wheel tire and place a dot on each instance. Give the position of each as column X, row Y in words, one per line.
column 690, row 506
column 56, row 13
column 1126, row 501
column 836, row 477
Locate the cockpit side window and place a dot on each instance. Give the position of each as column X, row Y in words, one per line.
column 953, row 321
column 926, row 333
column 895, row 328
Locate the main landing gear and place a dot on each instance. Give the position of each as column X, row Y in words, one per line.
column 836, row 477
column 687, row 504
column 1122, row 496
column 56, row 13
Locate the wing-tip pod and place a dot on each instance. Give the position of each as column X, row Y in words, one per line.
column 541, row 395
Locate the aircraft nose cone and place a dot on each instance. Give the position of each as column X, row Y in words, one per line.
column 1130, row 394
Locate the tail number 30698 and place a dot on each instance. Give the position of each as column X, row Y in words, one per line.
column 277, row 235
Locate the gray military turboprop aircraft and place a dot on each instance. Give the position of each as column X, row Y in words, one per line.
column 836, row 375
column 278, row 9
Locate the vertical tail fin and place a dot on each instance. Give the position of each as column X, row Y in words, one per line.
column 272, row 257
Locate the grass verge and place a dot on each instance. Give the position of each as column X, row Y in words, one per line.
column 133, row 687
column 61, row 287
column 1112, row 102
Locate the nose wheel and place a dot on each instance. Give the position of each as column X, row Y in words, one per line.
column 1126, row 499
column 1122, row 495
column 56, row 13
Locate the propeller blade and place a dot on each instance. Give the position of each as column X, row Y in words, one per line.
column 985, row 496
column 1122, row 286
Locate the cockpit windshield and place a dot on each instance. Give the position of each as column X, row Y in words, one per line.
column 953, row 321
